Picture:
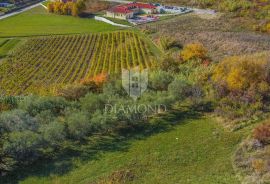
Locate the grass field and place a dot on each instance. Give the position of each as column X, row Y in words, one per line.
column 195, row 151
column 6, row 45
column 38, row 22
column 58, row 60
column 118, row 21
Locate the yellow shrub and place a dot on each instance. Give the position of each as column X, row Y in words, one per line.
column 268, row 27
column 193, row 51
column 240, row 73
column 258, row 165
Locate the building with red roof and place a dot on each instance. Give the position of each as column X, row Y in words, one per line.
column 127, row 11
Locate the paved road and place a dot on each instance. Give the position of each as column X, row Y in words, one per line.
column 19, row 11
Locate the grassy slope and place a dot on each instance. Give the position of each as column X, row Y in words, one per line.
column 38, row 22
column 6, row 45
column 201, row 154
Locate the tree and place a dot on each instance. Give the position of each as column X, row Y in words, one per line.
column 65, row 9
column 75, row 10
column 57, row 8
column 78, row 8
column 50, row 7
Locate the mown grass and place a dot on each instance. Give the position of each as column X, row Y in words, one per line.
column 38, row 21
column 118, row 21
column 6, row 45
column 194, row 151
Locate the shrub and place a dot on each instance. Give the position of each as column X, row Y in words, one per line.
column 53, row 133
column 180, row 89
column 103, row 121
column 169, row 64
column 17, row 120
column 241, row 73
column 99, row 80
column 159, row 80
column 78, row 125
column 92, row 102
column 76, row 91
column 35, row 105
column 194, row 51
column 262, row 133
column 168, row 43
column 22, row 146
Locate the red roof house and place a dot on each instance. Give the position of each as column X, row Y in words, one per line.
column 126, row 11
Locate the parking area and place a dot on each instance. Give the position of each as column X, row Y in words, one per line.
column 162, row 11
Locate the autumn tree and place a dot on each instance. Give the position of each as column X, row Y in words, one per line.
column 242, row 73
column 57, row 8
column 50, row 7
column 193, row 51
column 78, row 8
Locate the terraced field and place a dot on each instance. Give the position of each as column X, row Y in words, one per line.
column 46, row 61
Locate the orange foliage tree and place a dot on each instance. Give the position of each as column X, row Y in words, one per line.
column 99, row 79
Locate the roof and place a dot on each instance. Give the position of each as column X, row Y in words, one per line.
column 146, row 6
column 120, row 9
column 127, row 8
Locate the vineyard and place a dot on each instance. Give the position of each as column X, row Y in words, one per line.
column 43, row 62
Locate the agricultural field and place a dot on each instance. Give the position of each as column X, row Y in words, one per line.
column 38, row 21
column 47, row 61
column 6, row 45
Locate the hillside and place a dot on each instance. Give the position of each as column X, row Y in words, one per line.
column 38, row 21
column 192, row 151
column 47, row 61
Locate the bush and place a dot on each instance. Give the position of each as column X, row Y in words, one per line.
column 194, row 51
column 159, row 80
column 180, row 89
column 92, row 102
column 262, row 133
column 17, row 120
column 168, row 43
column 35, row 105
column 169, row 64
column 239, row 74
column 53, row 133
column 103, row 121
column 78, row 125
column 22, row 146
column 76, row 91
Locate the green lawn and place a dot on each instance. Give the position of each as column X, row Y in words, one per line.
column 38, row 22
column 192, row 152
column 118, row 21
column 6, row 45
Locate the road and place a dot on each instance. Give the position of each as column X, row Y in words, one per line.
column 19, row 11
